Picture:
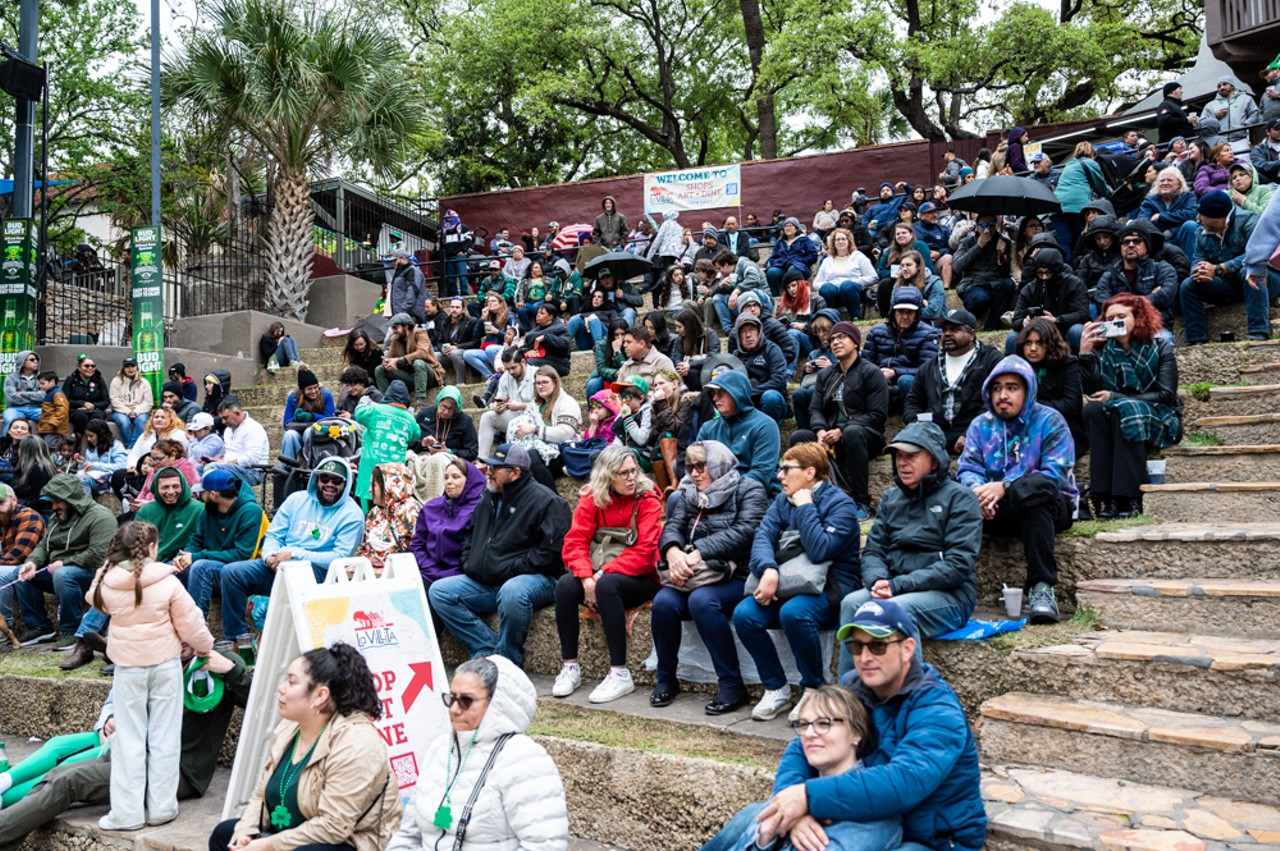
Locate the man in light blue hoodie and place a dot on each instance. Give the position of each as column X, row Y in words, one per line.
column 317, row 525
column 22, row 393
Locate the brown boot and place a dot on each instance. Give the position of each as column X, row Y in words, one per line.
column 81, row 655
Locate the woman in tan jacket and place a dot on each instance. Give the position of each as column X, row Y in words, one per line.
column 327, row 783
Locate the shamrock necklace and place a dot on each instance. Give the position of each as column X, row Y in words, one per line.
column 444, row 813
column 281, row 818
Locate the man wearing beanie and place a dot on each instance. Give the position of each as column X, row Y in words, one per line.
column 410, row 359
column 849, row 408
column 1171, row 116
column 310, row 402
column 1217, row 271
column 171, row 397
column 389, row 428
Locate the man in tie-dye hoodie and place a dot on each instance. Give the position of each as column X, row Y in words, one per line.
column 1019, row 459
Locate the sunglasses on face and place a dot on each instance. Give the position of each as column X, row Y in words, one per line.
column 463, row 700
column 878, row 647
column 697, row 466
column 787, row 468
column 1133, row 241
column 328, row 479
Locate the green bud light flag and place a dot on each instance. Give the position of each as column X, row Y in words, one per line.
column 18, row 291
column 147, row 289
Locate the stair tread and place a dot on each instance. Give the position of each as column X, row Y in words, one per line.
column 1211, row 487
column 1139, row 723
column 1247, row 390
column 1236, row 419
column 1237, row 449
column 1077, row 810
column 1194, row 532
column 1216, row 653
column 1193, row 587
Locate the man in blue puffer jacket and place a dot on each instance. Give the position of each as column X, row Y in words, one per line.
column 902, row 344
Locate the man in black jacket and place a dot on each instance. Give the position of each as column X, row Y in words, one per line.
column 850, row 405
column 750, row 303
column 511, row 557
column 1138, row 273
column 548, row 343
column 457, row 334
column 948, row 391
column 737, row 241
column 1171, row 116
column 1055, row 293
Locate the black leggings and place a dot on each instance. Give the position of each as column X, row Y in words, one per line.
column 1116, row 466
column 221, row 838
column 615, row 593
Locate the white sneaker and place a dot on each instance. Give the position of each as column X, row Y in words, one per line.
column 612, row 687
column 567, row 681
column 108, row 823
column 773, row 704
column 795, row 710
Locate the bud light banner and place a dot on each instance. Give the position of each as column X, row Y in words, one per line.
column 710, row 188
column 18, row 293
column 147, row 289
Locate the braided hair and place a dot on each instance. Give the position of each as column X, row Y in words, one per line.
column 342, row 668
column 132, row 544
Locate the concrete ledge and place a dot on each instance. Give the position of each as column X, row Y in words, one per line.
column 339, row 301
column 62, row 357
column 237, row 334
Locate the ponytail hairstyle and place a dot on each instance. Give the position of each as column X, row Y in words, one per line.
column 344, row 671
column 131, row 543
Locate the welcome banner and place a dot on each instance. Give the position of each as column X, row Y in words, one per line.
column 693, row 189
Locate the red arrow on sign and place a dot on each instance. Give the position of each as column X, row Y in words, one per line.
column 421, row 679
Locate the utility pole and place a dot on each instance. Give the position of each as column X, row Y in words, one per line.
column 24, row 128
column 155, row 111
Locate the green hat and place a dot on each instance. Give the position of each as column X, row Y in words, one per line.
column 634, row 381
column 201, row 688
column 5, row 492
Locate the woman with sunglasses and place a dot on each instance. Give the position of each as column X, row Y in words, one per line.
column 619, row 496
column 834, row 732
column 87, row 392
column 825, row 521
column 486, row 757
column 710, row 520
column 327, row 782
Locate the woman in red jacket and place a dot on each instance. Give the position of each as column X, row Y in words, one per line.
column 619, row 496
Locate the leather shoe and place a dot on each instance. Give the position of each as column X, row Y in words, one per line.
column 721, row 706
column 1126, row 508
column 664, row 694
column 95, row 641
column 1105, row 509
column 81, row 655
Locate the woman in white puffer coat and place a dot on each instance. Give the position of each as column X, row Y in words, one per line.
column 520, row 805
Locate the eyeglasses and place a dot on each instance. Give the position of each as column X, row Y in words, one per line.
column 329, row 479
column 88, row 365
column 877, row 648
column 821, row 726
column 696, row 466
column 463, row 700
column 629, row 473
column 787, row 468
column 1134, row 240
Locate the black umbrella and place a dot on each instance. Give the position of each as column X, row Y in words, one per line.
column 375, row 326
column 623, row 264
column 1005, row 195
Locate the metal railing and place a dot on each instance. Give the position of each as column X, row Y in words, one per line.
column 1241, row 16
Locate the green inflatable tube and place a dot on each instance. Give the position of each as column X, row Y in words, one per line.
column 53, row 752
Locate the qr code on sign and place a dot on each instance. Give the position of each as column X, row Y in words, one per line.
column 406, row 768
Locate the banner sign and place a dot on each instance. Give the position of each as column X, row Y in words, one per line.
column 147, row 288
column 693, row 189
column 384, row 617
column 18, row 291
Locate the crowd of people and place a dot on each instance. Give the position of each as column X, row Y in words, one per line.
column 690, row 503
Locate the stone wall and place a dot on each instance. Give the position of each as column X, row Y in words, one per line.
column 99, row 314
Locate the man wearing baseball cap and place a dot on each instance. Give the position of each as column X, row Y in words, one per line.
column 511, row 558
column 923, row 770
column 407, row 292
column 202, row 441
column 410, row 358
column 948, row 389
column 937, row 236
column 228, row 531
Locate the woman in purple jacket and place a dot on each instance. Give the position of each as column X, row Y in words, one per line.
column 437, row 537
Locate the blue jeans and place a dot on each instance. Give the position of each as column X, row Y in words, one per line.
column 779, row 278
column 711, row 609
column 455, row 276
column 527, row 313
column 93, row 621
column 287, row 351
column 1257, row 304
column 898, row 391
column 480, row 360
column 803, row 344
column 994, row 299
column 1185, row 237
column 774, row 405
column 934, row 613
column 239, row 580
column 594, row 386
column 69, row 584
column 291, row 443
column 130, row 430
column 460, row 600
column 720, row 303
column 800, row 401
column 8, row 573
column 1073, row 335
column 846, row 294
column 201, row 576
column 801, row 619
column 730, row 836
column 245, row 474
column 586, row 333
column 20, row 412
column 1067, row 227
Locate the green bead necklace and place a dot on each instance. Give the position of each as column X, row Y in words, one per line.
column 444, row 813
column 281, row 818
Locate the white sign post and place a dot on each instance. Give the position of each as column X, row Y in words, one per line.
column 387, row 619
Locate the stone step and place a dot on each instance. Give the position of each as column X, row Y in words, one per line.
column 1255, row 369
column 1051, row 808
column 1213, row 362
column 1221, row 756
column 1217, row 606
column 1227, row 463
column 1211, row 501
column 1239, row 401
column 1254, row 429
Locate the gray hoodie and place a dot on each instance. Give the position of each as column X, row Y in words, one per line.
column 22, row 389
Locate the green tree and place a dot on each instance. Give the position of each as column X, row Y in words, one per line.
column 309, row 87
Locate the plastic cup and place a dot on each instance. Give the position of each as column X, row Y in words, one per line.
column 1013, row 602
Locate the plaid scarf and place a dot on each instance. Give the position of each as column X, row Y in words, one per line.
column 1129, row 374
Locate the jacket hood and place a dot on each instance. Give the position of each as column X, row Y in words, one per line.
column 831, row 313
column 1102, row 205
column 1048, row 238
column 397, row 483
column 1247, row 166
column 720, row 459
column 20, row 359
column 474, row 488
column 1103, row 224
column 1050, row 258
column 513, row 704
column 447, row 392
column 346, row 487
column 1147, row 229
column 670, row 215
column 930, row 437
column 397, row 394
column 184, row 496
column 120, row 577
column 1016, row 134
column 607, row 199
column 67, row 488
column 1022, row 369
column 450, row 219
column 610, row 400
column 736, row 385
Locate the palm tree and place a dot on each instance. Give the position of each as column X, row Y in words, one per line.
column 309, row 86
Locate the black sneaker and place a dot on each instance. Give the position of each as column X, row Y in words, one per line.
column 65, row 643
column 37, row 636
column 478, row 400
column 1043, row 605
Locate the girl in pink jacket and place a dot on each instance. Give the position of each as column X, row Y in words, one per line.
column 152, row 615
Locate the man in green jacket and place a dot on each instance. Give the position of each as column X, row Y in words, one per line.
column 64, row 562
column 389, row 428
column 227, row 531
column 173, row 511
